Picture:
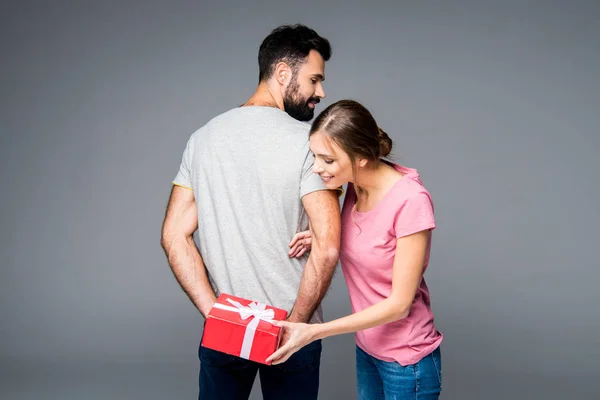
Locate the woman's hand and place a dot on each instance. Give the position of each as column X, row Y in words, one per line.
column 300, row 244
column 299, row 336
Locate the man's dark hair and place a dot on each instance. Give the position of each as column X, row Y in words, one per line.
column 290, row 44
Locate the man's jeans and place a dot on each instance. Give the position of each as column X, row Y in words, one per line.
column 228, row 377
column 379, row 380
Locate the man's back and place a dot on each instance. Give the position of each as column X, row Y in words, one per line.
column 249, row 168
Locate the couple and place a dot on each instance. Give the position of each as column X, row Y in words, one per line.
column 256, row 176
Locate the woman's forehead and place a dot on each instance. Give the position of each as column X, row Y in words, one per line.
column 323, row 145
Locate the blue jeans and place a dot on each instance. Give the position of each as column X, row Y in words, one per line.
column 377, row 379
column 228, row 377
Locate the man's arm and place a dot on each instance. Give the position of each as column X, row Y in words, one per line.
column 181, row 221
column 323, row 211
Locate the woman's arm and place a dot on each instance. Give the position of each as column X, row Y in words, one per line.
column 407, row 272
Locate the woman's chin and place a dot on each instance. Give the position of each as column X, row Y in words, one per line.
column 331, row 185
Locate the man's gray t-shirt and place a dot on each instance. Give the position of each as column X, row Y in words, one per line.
column 249, row 169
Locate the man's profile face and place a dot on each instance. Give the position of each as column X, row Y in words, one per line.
column 305, row 89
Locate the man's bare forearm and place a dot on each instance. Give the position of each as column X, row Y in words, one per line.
column 190, row 272
column 323, row 211
column 315, row 282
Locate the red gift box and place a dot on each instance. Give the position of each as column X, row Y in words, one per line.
column 243, row 328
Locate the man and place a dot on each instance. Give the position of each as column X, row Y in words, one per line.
column 246, row 184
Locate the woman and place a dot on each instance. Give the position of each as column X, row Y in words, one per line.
column 387, row 220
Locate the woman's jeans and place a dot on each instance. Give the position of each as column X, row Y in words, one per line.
column 384, row 380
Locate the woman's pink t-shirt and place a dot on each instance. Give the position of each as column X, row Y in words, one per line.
column 367, row 257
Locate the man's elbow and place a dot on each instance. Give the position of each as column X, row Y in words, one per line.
column 327, row 255
column 170, row 239
column 332, row 254
column 164, row 242
column 167, row 238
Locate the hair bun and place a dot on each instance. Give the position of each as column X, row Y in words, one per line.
column 385, row 143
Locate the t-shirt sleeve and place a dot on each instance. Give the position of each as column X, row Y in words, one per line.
column 184, row 176
column 415, row 215
column 309, row 181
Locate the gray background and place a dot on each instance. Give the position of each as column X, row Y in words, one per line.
column 496, row 104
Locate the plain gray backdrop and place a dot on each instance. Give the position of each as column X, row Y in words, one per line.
column 496, row 103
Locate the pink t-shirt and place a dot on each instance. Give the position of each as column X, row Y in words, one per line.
column 367, row 257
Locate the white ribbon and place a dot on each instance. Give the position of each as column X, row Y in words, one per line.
column 258, row 312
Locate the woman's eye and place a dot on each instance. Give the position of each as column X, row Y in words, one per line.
column 328, row 161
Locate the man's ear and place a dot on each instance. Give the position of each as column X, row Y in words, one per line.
column 283, row 73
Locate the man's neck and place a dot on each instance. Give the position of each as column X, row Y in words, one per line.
column 264, row 97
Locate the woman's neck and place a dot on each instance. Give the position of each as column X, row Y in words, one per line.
column 373, row 180
column 372, row 184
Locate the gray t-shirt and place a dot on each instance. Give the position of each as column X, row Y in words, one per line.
column 249, row 168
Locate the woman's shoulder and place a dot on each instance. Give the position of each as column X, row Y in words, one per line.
column 410, row 185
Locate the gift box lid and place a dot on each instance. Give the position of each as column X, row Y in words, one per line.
column 232, row 314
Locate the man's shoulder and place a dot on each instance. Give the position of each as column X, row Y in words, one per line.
column 262, row 117
column 266, row 122
column 225, row 117
column 294, row 123
column 215, row 122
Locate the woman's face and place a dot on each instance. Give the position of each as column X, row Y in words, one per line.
column 332, row 163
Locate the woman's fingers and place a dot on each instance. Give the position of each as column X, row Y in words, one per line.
column 300, row 236
column 285, row 351
column 301, row 246
column 294, row 250
column 282, row 354
column 301, row 252
column 275, row 358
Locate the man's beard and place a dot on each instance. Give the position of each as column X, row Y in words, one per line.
column 296, row 106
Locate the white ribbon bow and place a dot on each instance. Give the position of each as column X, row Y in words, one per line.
column 254, row 309
column 258, row 312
